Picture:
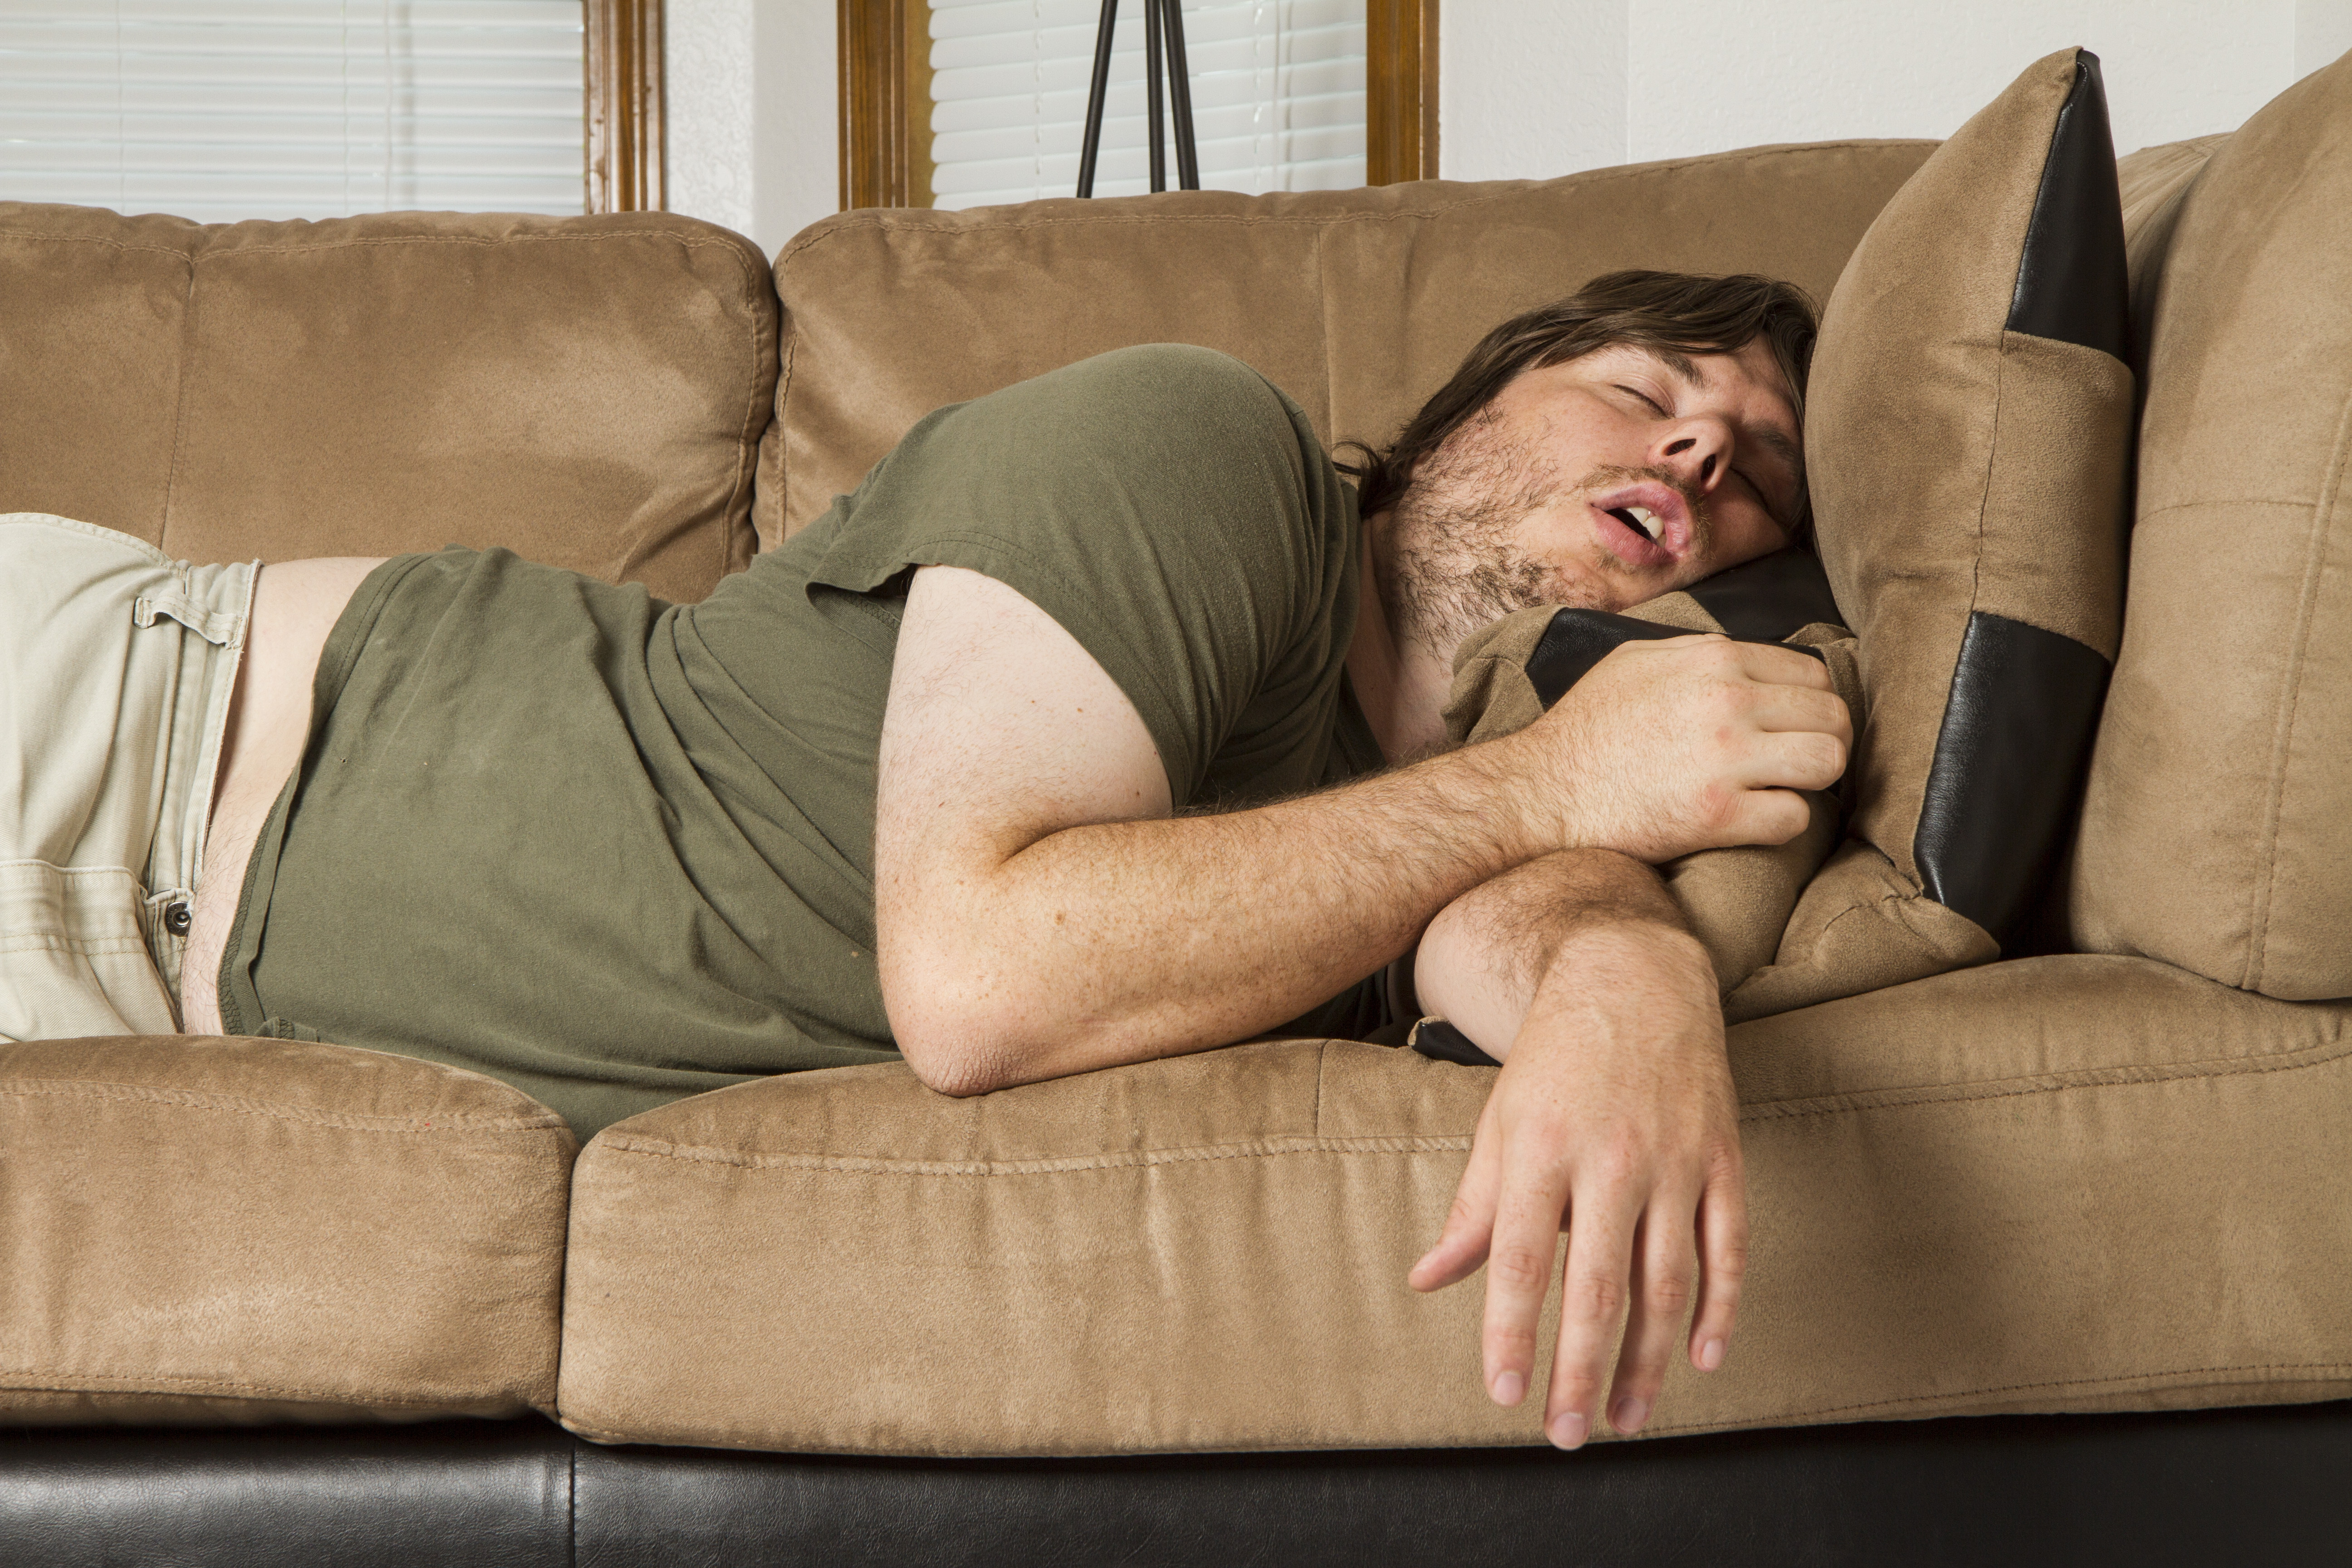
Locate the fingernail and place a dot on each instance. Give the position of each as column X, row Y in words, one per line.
column 1710, row 1355
column 1568, row 1430
column 1629, row 1414
column 1510, row 1388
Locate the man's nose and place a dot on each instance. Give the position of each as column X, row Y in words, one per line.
column 1696, row 451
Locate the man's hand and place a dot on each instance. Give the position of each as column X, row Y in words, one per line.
column 1613, row 1118
column 1690, row 743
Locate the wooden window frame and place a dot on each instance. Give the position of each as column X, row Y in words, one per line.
column 624, row 86
column 885, row 72
column 1400, row 92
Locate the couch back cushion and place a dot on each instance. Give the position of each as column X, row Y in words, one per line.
column 2214, row 832
column 1357, row 303
column 588, row 392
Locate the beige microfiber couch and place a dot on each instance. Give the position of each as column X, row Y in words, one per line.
column 2110, row 1179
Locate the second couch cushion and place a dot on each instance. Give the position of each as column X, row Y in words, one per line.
column 2020, row 1187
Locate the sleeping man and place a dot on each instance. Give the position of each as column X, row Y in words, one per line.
column 1101, row 723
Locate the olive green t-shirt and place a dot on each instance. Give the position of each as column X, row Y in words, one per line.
column 614, row 851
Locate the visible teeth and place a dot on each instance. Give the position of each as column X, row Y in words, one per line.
column 1640, row 518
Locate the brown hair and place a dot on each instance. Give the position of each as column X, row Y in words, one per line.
column 1673, row 312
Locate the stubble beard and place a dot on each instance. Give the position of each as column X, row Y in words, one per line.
column 1452, row 563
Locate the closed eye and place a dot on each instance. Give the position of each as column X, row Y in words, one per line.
column 1655, row 407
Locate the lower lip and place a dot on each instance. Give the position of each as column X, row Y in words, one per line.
column 1630, row 544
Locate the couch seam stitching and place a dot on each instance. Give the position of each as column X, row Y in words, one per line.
column 856, row 1165
column 746, row 453
column 1915, row 1400
column 2306, row 611
column 2105, row 1077
column 187, row 367
column 788, row 326
column 1899, row 1099
column 1322, row 1065
column 690, row 241
column 199, row 1100
column 2224, row 500
column 1591, row 177
column 255, row 1389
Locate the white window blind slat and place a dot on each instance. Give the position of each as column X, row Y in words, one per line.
column 222, row 109
column 1277, row 97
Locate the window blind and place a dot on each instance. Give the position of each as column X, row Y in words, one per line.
column 221, row 109
column 1277, row 97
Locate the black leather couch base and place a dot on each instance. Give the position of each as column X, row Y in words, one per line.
column 2197, row 1487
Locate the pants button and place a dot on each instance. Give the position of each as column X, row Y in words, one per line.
column 178, row 917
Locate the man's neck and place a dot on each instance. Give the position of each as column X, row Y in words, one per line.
column 1401, row 685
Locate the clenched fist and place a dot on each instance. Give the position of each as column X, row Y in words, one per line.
column 1666, row 748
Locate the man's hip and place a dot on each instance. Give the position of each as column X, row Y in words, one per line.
column 117, row 666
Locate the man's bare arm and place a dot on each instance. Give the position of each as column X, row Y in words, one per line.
column 1614, row 1118
column 1039, row 913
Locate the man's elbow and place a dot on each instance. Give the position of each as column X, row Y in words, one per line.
column 947, row 1067
column 946, row 1034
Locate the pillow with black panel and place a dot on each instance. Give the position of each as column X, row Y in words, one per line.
column 1737, row 900
column 1967, row 427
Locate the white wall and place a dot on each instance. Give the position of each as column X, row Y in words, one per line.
column 1533, row 87
column 752, row 114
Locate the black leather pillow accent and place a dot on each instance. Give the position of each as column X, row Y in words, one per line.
column 2008, row 767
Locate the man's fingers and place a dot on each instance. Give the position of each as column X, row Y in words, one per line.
column 1520, row 1273
column 1765, row 816
column 1667, row 1270
column 1594, row 1291
column 1461, row 1246
column 1723, row 1263
column 1802, row 707
column 1777, row 665
column 1789, row 759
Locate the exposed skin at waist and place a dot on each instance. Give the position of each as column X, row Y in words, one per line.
column 295, row 607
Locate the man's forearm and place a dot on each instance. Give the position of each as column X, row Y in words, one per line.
column 1483, row 959
column 1123, row 942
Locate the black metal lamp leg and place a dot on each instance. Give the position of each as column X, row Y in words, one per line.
column 1179, row 86
column 1095, row 94
column 1163, row 25
column 1151, row 94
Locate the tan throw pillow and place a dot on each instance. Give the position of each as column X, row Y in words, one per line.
column 1737, row 900
column 1968, row 423
column 2215, row 834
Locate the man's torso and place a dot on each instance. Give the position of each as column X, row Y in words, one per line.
column 653, row 823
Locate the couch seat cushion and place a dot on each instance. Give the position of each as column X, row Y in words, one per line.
column 214, row 1230
column 2052, row 1184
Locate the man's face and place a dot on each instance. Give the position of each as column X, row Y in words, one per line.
column 1599, row 483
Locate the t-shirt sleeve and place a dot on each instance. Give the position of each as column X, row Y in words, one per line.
column 1172, row 510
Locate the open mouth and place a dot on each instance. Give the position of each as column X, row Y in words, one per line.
column 1642, row 520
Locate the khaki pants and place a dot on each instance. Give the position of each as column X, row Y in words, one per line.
column 116, row 668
